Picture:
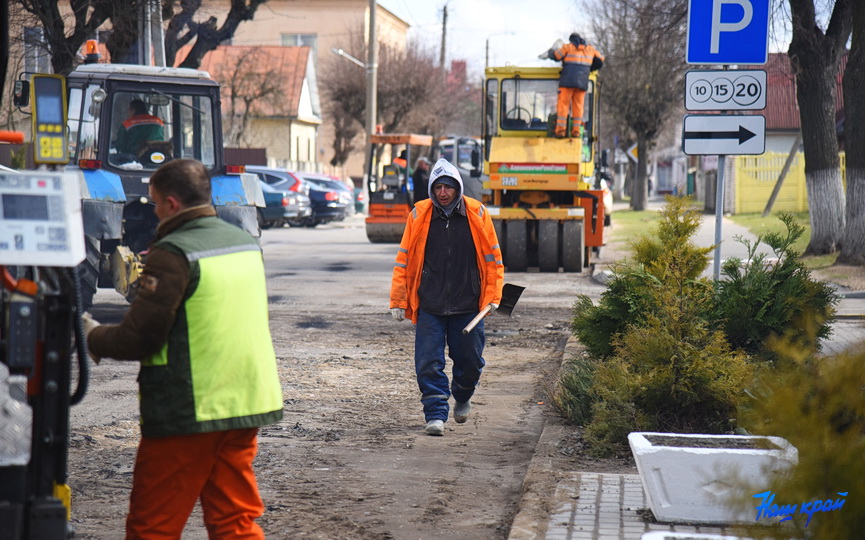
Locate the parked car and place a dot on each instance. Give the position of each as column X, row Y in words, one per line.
column 279, row 178
column 282, row 206
column 330, row 202
column 329, row 182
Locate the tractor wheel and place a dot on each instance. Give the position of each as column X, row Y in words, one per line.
column 548, row 245
column 517, row 249
column 573, row 245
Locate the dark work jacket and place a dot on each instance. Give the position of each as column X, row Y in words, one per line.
column 450, row 283
column 577, row 61
column 420, row 179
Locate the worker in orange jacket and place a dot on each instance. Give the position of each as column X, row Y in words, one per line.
column 578, row 59
column 448, row 269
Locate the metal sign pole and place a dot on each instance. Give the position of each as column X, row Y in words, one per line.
column 719, row 216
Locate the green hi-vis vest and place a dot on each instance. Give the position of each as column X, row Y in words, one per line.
column 218, row 369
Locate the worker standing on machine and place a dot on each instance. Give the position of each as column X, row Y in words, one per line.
column 578, row 59
column 208, row 378
column 448, row 269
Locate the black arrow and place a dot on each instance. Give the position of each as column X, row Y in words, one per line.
column 743, row 134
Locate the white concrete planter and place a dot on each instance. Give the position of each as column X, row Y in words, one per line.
column 687, row 477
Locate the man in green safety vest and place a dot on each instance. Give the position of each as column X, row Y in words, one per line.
column 208, row 378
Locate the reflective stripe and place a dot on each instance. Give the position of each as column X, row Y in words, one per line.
column 400, row 265
column 198, row 255
column 495, row 247
column 500, row 263
column 403, row 250
column 489, row 258
column 481, row 211
column 414, row 213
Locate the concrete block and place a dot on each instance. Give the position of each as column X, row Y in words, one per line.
column 687, row 477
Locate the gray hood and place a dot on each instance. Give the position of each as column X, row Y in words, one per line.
column 441, row 168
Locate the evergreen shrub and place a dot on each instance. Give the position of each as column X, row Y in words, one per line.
column 673, row 351
column 818, row 405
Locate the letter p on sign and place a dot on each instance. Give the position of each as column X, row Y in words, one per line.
column 719, row 26
column 728, row 31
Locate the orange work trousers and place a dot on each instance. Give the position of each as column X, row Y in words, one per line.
column 171, row 473
column 569, row 99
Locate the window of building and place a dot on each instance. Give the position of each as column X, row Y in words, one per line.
column 301, row 40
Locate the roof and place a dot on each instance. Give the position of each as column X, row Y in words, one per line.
column 286, row 64
column 133, row 69
column 782, row 109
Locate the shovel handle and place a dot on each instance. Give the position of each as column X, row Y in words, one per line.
column 470, row 326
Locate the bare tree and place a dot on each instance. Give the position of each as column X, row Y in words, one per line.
column 643, row 76
column 249, row 90
column 815, row 56
column 63, row 43
column 65, row 37
column 853, row 240
column 411, row 94
column 182, row 28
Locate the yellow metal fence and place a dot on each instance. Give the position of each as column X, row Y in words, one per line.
column 754, row 178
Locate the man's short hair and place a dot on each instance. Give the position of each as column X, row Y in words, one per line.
column 138, row 106
column 186, row 179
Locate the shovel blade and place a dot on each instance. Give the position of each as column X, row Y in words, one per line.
column 510, row 294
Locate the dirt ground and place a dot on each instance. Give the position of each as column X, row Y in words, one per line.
column 350, row 459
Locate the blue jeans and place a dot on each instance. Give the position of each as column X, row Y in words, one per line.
column 431, row 335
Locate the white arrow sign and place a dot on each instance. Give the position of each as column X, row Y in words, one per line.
column 724, row 135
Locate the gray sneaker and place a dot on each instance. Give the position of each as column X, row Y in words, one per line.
column 461, row 412
column 435, row 427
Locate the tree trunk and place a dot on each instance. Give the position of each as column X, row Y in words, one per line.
column 640, row 192
column 853, row 242
column 815, row 56
column 816, row 92
column 825, row 210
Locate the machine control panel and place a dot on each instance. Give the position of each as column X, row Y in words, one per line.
column 40, row 219
column 49, row 119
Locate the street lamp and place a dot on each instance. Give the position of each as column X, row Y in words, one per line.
column 487, row 61
column 371, row 67
column 347, row 56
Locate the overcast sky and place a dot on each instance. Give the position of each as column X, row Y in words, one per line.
column 518, row 30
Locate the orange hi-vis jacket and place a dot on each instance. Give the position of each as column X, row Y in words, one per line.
column 577, row 61
column 409, row 259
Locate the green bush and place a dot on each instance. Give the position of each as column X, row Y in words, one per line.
column 670, row 350
column 761, row 300
column 572, row 395
column 818, row 405
column 673, row 373
column 628, row 299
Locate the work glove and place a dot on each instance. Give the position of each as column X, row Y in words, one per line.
column 89, row 324
column 397, row 313
column 493, row 308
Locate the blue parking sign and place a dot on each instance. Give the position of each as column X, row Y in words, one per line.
column 728, row 32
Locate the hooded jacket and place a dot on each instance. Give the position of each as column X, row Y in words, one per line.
column 408, row 269
column 578, row 59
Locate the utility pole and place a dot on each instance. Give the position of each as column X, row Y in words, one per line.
column 444, row 39
column 371, row 89
column 151, row 37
